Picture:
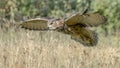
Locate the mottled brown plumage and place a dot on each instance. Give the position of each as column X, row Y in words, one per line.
column 75, row 26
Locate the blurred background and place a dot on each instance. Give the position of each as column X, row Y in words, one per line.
column 18, row 10
column 15, row 11
column 21, row 48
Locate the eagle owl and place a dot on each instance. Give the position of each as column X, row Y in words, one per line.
column 76, row 26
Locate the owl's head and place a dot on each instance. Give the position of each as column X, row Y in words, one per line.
column 55, row 24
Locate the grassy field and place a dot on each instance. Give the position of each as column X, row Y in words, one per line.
column 40, row 49
column 21, row 48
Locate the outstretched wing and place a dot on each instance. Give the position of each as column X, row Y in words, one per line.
column 35, row 24
column 83, row 35
column 92, row 19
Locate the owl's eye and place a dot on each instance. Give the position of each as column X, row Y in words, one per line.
column 51, row 23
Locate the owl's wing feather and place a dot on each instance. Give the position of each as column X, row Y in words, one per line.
column 85, row 36
column 35, row 24
column 72, row 20
column 92, row 19
column 81, row 34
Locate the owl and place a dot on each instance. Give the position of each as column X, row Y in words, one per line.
column 77, row 26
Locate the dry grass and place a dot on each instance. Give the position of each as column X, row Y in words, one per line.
column 35, row 49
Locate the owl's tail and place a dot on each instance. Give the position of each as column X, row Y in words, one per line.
column 85, row 36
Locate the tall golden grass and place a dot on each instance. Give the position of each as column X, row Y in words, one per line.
column 48, row 49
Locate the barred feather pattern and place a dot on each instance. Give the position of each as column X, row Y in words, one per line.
column 75, row 26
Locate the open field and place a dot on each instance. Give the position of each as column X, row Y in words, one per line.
column 21, row 48
column 35, row 49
